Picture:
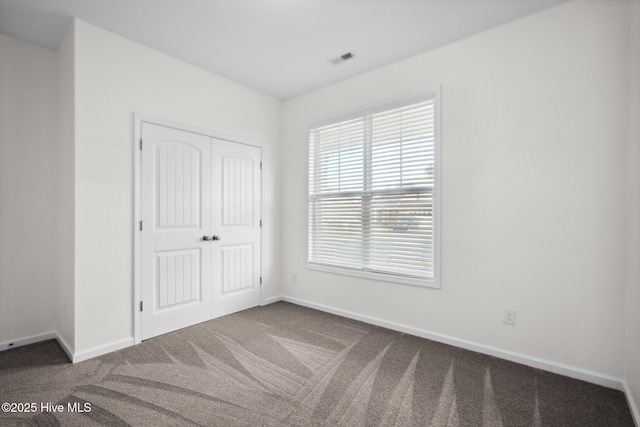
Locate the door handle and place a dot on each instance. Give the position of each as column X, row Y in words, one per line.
column 206, row 238
column 215, row 237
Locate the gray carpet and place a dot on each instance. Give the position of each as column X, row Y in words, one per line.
column 285, row 365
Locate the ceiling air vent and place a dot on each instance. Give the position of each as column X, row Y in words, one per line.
column 342, row 58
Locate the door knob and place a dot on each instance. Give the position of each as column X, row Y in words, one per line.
column 215, row 237
column 206, row 238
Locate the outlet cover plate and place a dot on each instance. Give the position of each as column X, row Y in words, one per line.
column 509, row 316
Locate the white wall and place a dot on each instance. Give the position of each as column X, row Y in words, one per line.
column 63, row 298
column 632, row 353
column 533, row 203
column 115, row 77
column 28, row 166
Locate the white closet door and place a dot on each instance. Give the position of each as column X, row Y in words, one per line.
column 175, row 207
column 235, row 219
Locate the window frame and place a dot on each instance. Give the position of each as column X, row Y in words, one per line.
column 389, row 104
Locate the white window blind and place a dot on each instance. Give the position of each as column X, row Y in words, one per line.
column 372, row 191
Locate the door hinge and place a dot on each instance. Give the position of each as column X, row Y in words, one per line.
column 260, row 280
column 141, row 225
column 260, row 223
column 260, row 165
column 140, row 144
column 141, row 305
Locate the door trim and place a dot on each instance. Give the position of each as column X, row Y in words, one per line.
column 138, row 120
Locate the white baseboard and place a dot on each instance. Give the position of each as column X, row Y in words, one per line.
column 81, row 356
column 31, row 339
column 632, row 404
column 546, row 365
column 65, row 345
column 73, row 356
column 271, row 300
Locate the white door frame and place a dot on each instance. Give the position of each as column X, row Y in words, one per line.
column 138, row 119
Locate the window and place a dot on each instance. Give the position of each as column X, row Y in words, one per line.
column 373, row 193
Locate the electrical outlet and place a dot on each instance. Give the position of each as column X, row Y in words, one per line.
column 294, row 277
column 509, row 316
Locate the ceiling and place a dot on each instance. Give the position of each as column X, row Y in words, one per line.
column 281, row 47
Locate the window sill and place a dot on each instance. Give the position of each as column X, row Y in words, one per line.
column 424, row 283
